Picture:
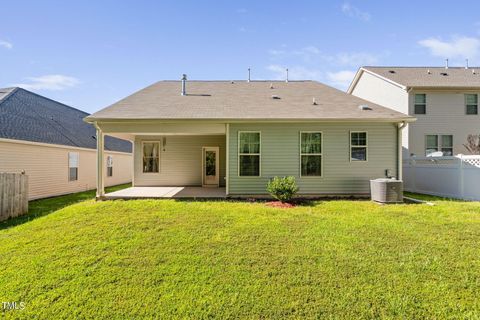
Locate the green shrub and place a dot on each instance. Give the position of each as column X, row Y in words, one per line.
column 282, row 188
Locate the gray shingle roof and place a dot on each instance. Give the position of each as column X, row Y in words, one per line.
column 25, row 115
column 430, row 77
column 241, row 100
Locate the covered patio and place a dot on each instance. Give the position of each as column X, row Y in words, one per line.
column 168, row 193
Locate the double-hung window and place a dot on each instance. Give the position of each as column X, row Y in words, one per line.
column 358, row 146
column 311, row 154
column 73, row 158
column 436, row 143
column 151, row 157
column 471, row 104
column 109, row 166
column 249, row 148
column 420, row 106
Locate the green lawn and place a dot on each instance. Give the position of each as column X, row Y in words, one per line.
column 185, row 259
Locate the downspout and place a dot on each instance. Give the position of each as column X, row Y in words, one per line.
column 399, row 150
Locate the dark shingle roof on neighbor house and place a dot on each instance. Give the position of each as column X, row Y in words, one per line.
column 430, row 77
column 27, row 116
column 242, row 100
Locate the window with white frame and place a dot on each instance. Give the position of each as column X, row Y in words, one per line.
column 439, row 143
column 151, row 157
column 73, row 159
column 311, row 154
column 420, row 106
column 358, row 146
column 471, row 103
column 109, row 166
column 249, row 154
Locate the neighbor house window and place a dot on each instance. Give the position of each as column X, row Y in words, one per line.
column 439, row 143
column 249, row 154
column 151, row 157
column 358, row 146
column 73, row 166
column 311, row 154
column 471, row 103
column 109, row 166
column 420, row 104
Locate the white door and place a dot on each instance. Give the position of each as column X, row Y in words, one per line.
column 210, row 167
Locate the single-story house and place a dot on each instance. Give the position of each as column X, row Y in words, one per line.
column 236, row 135
column 50, row 142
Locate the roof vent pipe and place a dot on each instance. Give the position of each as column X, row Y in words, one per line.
column 248, row 75
column 466, row 63
column 446, row 63
column 184, row 80
column 286, row 80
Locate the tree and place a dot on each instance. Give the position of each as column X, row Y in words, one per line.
column 473, row 144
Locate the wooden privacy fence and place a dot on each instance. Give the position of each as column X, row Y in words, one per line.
column 453, row 177
column 13, row 195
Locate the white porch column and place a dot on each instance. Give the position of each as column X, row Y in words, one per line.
column 100, row 164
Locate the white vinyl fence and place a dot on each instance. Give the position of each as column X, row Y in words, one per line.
column 453, row 177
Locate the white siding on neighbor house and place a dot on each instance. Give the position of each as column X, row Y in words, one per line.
column 280, row 156
column 47, row 167
column 180, row 160
column 379, row 91
column 445, row 115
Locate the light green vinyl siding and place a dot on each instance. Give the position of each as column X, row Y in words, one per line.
column 180, row 160
column 280, row 156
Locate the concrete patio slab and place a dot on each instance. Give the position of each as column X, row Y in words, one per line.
column 168, row 193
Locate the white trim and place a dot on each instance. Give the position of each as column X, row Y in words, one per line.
column 360, row 146
column 107, row 166
column 310, row 154
column 420, row 104
column 227, row 158
column 253, row 120
column 251, row 154
column 77, row 155
column 439, row 140
column 217, row 166
column 466, row 105
column 61, row 146
column 159, row 150
column 362, row 70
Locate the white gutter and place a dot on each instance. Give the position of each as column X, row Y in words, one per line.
column 400, row 150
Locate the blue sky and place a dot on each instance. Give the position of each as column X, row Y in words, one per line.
column 89, row 54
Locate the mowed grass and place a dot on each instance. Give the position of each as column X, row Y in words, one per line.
column 221, row 259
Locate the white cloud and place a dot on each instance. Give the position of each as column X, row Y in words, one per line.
column 294, row 73
column 340, row 79
column 312, row 54
column 458, row 47
column 356, row 59
column 6, row 44
column 355, row 12
column 54, row 82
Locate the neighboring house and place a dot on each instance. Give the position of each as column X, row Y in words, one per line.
column 51, row 143
column 444, row 101
column 240, row 134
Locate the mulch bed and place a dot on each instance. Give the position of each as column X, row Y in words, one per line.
column 278, row 204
